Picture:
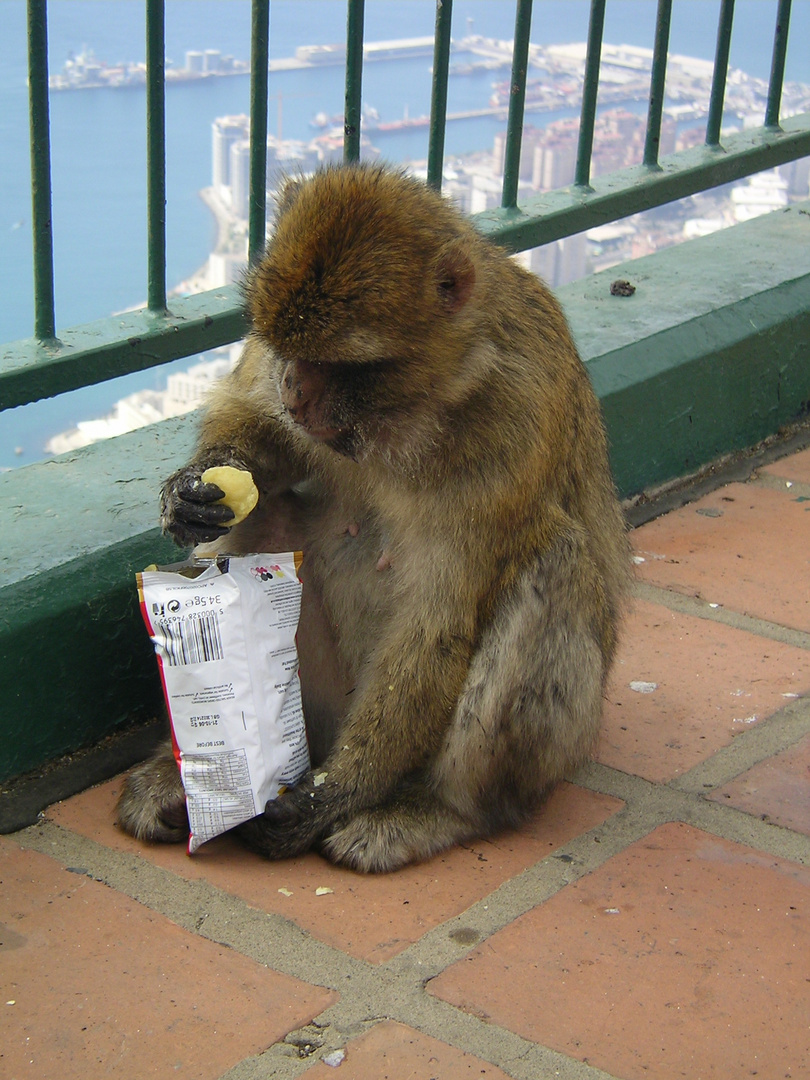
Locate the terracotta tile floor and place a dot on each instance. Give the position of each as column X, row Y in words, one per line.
column 653, row 922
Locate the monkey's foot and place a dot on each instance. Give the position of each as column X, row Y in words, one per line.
column 152, row 804
column 384, row 839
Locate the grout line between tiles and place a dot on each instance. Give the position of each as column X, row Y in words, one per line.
column 198, row 907
column 667, row 802
column 765, row 739
column 683, row 604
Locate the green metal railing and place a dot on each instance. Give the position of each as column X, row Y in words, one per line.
column 156, row 156
column 53, row 362
column 259, row 53
column 44, row 321
column 438, row 101
column 596, row 26
column 517, row 100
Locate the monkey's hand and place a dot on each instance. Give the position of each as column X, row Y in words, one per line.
column 292, row 823
column 189, row 510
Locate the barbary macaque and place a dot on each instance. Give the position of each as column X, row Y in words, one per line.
column 418, row 422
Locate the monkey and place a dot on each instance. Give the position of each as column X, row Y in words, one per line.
column 419, row 423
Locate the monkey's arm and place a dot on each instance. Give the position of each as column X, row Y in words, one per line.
column 403, row 707
column 241, row 427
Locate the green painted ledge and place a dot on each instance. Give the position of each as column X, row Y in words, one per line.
column 711, row 354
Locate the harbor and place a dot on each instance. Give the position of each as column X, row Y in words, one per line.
column 83, row 71
column 555, row 83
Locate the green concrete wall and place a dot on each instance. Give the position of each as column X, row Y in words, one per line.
column 709, row 355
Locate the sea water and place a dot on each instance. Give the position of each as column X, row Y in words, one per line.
column 99, row 152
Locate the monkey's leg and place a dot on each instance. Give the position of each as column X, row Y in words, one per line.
column 152, row 804
column 527, row 717
column 384, row 738
column 530, row 711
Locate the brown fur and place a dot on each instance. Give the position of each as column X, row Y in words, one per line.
column 415, row 415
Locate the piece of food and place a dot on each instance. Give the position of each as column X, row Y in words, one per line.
column 241, row 494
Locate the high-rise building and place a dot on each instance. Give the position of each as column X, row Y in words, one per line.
column 554, row 162
column 227, row 130
column 226, row 268
column 240, row 178
column 532, row 136
column 561, row 261
column 211, row 61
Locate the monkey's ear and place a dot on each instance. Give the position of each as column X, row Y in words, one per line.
column 455, row 276
column 287, row 195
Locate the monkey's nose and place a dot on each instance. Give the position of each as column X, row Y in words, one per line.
column 292, row 391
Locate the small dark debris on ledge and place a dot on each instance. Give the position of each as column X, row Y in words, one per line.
column 620, row 287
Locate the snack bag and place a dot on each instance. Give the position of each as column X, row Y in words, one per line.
column 224, row 634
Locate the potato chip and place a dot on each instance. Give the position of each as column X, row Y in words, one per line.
column 241, row 494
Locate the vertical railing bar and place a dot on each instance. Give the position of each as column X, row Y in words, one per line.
column 720, row 73
column 780, row 40
column 259, row 64
column 156, row 154
column 39, row 120
column 658, row 77
column 517, row 102
column 354, row 80
column 438, row 102
column 593, row 56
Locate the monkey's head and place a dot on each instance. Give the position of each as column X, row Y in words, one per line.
column 364, row 297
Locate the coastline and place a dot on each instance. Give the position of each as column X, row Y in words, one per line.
column 199, row 280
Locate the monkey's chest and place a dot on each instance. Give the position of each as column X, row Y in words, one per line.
column 350, row 560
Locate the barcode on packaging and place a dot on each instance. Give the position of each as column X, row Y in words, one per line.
column 192, row 640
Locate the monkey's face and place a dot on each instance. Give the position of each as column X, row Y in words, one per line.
column 343, row 405
column 363, row 298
